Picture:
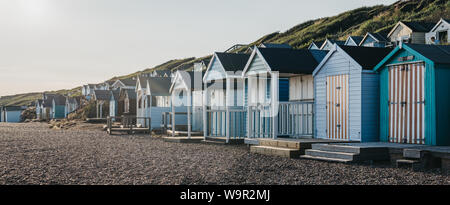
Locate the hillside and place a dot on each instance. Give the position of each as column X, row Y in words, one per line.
column 354, row 22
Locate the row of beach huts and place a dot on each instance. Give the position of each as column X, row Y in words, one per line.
column 390, row 88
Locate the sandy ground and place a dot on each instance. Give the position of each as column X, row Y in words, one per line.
column 32, row 153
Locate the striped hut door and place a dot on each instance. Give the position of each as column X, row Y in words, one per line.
column 406, row 103
column 337, row 107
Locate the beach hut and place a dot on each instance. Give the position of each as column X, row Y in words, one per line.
column 114, row 103
column 375, row 40
column 153, row 99
column 353, row 40
column 58, row 107
column 162, row 73
column 128, row 83
column 410, row 32
column 11, row 114
column 127, row 102
column 279, row 88
column 414, row 95
column 439, row 34
column 187, row 94
column 328, row 44
column 346, row 91
column 39, row 108
column 223, row 105
column 101, row 98
column 72, row 104
column 316, row 45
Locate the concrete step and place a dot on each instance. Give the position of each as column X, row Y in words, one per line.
column 276, row 151
column 325, row 159
column 336, row 148
column 332, row 155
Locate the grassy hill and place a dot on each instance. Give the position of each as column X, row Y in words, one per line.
column 355, row 22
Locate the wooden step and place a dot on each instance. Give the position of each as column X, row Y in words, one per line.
column 336, row 148
column 276, row 151
column 231, row 141
column 280, row 143
column 183, row 139
column 325, row 159
column 214, row 142
column 332, row 155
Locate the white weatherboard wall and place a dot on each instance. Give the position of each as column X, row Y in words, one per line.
column 338, row 64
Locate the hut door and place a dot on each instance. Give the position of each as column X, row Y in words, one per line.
column 337, row 107
column 406, row 103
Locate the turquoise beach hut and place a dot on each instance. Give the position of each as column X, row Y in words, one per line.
column 415, row 94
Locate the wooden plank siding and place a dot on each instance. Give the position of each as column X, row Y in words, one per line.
column 338, row 64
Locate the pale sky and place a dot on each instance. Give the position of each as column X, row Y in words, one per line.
column 61, row 44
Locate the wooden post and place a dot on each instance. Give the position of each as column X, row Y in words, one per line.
column 205, row 117
column 150, row 112
column 189, row 107
column 101, row 109
column 228, row 102
column 96, row 108
column 249, row 110
column 274, row 103
column 173, row 117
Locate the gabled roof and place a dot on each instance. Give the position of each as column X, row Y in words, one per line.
column 162, row 73
column 128, row 82
column 48, row 102
column 292, row 61
column 159, row 86
column 419, row 26
column 439, row 54
column 102, row 95
column 274, row 45
column 356, row 39
column 59, row 100
column 439, row 22
column 365, row 57
column 331, row 42
column 115, row 94
column 318, row 44
column 131, row 93
column 189, row 80
column 379, row 37
column 414, row 26
column 232, row 61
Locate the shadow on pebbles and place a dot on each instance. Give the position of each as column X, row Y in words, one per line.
column 32, row 153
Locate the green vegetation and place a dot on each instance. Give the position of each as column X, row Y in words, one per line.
column 355, row 22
